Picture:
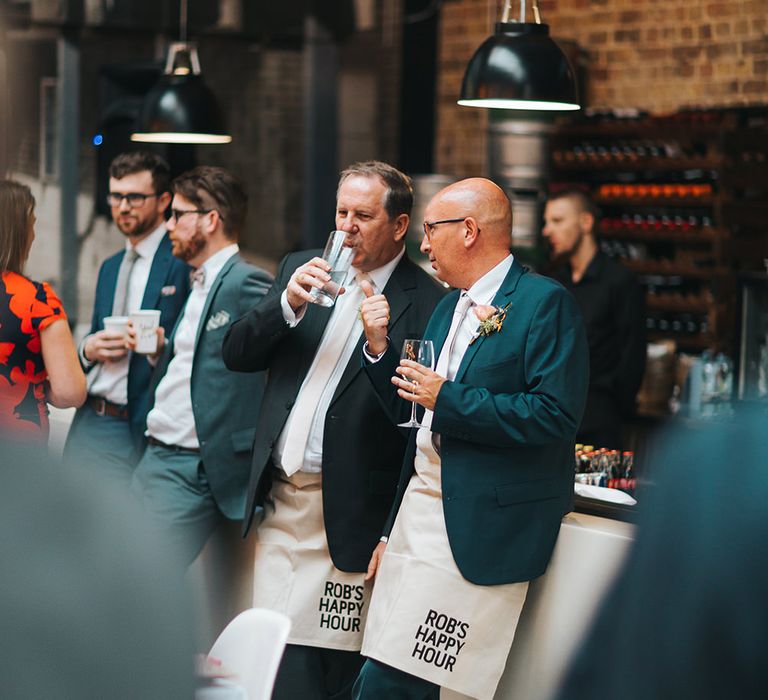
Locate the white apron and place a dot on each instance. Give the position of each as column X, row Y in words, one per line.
column 293, row 572
column 425, row 618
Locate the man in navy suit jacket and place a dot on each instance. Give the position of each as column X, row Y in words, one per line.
column 107, row 431
column 503, row 409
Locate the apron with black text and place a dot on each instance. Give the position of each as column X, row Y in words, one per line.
column 293, row 572
column 425, row 618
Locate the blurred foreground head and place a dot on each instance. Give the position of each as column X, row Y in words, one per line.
column 687, row 616
column 91, row 605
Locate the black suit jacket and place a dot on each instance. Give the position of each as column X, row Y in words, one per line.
column 362, row 449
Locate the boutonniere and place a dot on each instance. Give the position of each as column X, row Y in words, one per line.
column 491, row 320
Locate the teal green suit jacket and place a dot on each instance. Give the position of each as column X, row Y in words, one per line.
column 507, row 425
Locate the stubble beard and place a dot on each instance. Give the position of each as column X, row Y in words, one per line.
column 143, row 226
column 189, row 249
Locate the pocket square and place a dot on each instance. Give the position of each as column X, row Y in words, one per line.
column 219, row 319
column 168, row 291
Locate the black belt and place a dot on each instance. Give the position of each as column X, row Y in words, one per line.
column 102, row 407
column 173, row 448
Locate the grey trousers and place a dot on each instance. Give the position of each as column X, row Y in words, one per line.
column 173, row 487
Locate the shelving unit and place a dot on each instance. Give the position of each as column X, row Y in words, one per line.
column 685, row 207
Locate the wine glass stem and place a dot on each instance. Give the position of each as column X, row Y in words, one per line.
column 413, row 412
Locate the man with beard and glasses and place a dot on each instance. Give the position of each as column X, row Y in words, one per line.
column 108, row 429
column 202, row 417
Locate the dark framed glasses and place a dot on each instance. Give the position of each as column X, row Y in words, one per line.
column 134, row 199
column 429, row 226
column 178, row 213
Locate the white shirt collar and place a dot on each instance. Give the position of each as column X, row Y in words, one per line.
column 213, row 265
column 380, row 276
column 147, row 247
column 484, row 290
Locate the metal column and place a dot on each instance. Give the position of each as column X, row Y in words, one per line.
column 320, row 132
column 68, row 141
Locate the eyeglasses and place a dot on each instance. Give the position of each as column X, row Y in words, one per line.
column 429, row 226
column 134, row 199
column 178, row 213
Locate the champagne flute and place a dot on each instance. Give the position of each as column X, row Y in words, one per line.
column 423, row 352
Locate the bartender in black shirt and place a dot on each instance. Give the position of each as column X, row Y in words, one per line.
column 612, row 304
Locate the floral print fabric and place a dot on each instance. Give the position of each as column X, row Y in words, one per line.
column 26, row 308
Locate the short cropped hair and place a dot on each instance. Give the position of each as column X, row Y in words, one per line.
column 16, row 206
column 583, row 201
column 139, row 161
column 398, row 198
column 209, row 187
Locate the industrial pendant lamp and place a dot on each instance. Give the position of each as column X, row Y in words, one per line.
column 520, row 67
column 181, row 108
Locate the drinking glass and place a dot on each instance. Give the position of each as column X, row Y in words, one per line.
column 423, row 352
column 339, row 257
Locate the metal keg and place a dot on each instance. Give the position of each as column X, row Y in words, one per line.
column 424, row 188
column 518, row 161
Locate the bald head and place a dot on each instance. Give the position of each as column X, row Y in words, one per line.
column 485, row 201
column 469, row 225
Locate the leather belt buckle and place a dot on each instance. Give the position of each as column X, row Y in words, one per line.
column 99, row 406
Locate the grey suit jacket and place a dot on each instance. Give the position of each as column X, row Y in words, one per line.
column 225, row 404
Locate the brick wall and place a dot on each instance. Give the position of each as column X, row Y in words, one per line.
column 642, row 53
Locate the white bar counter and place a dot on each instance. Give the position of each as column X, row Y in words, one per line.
column 560, row 605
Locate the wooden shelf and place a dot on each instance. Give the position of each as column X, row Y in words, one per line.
column 656, row 202
column 652, row 267
column 658, row 302
column 698, row 341
column 656, row 164
column 699, row 235
column 647, row 128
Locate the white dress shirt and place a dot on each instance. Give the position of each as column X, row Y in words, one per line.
column 481, row 293
column 110, row 379
column 171, row 420
column 313, row 456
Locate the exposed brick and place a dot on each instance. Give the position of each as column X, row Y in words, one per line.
column 654, row 54
column 685, row 70
column 621, row 35
column 722, row 29
column 722, row 9
column 686, row 53
column 756, row 46
column 630, row 16
column 755, row 87
column 716, row 51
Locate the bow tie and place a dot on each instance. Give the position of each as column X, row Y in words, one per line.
column 197, row 277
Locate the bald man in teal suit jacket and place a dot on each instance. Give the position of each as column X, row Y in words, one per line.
column 505, row 416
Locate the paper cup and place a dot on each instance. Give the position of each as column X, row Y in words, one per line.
column 145, row 323
column 116, row 324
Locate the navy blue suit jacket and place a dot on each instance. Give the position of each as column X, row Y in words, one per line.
column 167, row 290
